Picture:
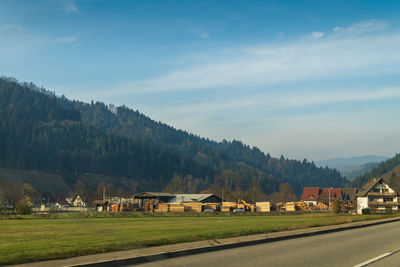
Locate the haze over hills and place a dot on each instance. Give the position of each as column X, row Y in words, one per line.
column 351, row 167
column 102, row 143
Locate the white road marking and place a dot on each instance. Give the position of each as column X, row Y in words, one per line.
column 365, row 263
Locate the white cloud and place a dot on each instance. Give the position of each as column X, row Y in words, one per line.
column 334, row 56
column 285, row 100
column 317, row 35
column 70, row 7
column 70, row 39
column 363, row 27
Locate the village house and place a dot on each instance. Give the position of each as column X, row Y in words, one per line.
column 310, row 195
column 314, row 195
column 76, row 202
column 377, row 196
column 62, row 204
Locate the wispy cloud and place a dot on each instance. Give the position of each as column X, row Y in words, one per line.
column 317, row 35
column 363, row 27
column 70, row 6
column 334, row 56
column 69, row 39
column 286, row 100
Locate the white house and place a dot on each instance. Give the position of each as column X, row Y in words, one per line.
column 377, row 196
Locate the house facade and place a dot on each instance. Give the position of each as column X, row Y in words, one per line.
column 377, row 196
column 78, row 202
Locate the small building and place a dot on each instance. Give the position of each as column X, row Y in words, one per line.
column 378, row 196
column 62, row 204
column 203, row 198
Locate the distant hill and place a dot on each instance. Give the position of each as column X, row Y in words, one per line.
column 96, row 142
column 351, row 167
column 383, row 168
column 359, row 170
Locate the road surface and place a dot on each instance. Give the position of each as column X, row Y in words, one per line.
column 375, row 245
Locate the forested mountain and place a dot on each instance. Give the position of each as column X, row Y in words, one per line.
column 383, row 168
column 45, row 132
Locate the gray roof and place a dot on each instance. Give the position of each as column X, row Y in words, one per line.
column 154, row 194
column 349, row 193
column 179, row 198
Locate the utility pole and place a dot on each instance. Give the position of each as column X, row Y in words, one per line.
column 329, row 200
column 104, row 193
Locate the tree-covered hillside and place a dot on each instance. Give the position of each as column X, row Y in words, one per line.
column 376, row 172
column 45, row 132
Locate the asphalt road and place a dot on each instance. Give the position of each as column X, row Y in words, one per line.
column 356, row 247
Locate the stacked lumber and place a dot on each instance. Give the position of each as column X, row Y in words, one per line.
column 301, row 205
column 321, row 206
column 228, row 206
column 194, row 207
column 210, row 206
column 162, row 207
column 177, row 208
column 149, row 206
column 241, row 206
column 115, row 207
column 263, row 206
column 290, row 206
column 226, row 209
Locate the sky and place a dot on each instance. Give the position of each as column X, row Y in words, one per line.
column 303, row 79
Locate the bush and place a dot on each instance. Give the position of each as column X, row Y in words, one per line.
column 365, row 211
column 24, row 206
column 336, row 206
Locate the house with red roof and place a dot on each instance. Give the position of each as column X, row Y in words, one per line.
column 310, row 195
column 314, row 195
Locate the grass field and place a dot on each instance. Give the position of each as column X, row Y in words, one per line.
column 32, row 239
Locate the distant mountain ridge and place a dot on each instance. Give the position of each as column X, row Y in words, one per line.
column 40, row 131
column 353, row 161
column 351, row 167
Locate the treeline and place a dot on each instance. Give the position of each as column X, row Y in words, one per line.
column 41, row 131
column 376, row 172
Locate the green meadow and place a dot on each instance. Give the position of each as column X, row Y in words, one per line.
column 31, row 238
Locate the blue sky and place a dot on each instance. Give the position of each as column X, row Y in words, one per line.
column 306, row 79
